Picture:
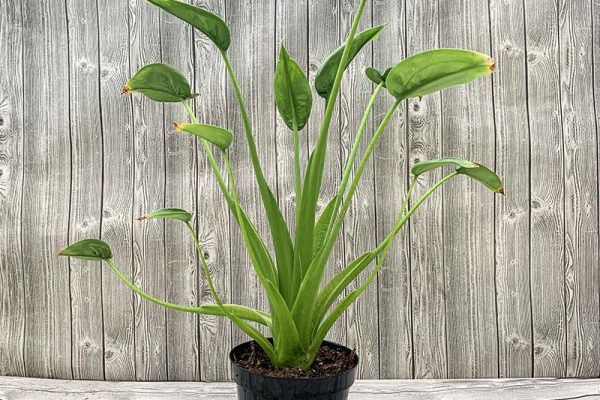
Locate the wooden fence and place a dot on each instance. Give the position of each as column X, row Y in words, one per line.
column 479, row 286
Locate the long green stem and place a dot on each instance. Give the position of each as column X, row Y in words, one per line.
column 297, row 171
column 355, row 181
column 211, row 285
column 314, row 173
column 352, row 156
column 210, row 156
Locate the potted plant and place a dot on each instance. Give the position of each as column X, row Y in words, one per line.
column 296, row 362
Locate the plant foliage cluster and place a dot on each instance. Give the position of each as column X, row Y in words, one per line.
column 301, row 309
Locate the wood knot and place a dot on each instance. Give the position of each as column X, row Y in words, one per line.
column 1, row 121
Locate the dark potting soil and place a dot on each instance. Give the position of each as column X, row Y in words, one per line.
column 330, row 361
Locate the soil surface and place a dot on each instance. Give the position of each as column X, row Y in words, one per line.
column 330, row 361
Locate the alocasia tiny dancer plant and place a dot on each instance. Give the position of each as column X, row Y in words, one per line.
column 301, row 309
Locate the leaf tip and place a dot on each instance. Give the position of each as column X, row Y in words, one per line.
column 177, row 126
column 500, row 191
column 143, row 217
column 126, row 89
column 491, row 64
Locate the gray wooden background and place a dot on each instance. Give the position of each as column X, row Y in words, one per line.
column 479, row 286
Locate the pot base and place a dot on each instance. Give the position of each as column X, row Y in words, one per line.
column 254, row 386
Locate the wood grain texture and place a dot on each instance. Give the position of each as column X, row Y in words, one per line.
column 46, row 189
column 546, row 188
column 359, row 232
column 391, row 163
column 148, row 195
column 180, row 192
column 117, row 194
column 468, row 132
column 501, row 389
column 212, row 213
column 12, row 300
column 426, row 240
column 581, row 194
column 86, row 188
column 512, row 210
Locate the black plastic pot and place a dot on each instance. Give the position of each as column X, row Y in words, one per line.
column 252, row 386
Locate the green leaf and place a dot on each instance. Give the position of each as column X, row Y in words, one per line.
column 485, row 176
column 326, row 75
column 427, row 165
column 434, row 70
column 218, row 136
column 169, row 213
column 88, row 249
column 242, row 312
column 160, row 82
column 292, row 92
column 322, row 225
column 206, row 22
column 374, row 75
column 476, row 171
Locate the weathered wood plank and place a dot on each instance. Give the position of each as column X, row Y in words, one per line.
column 86, row 189
column 12, row 301
column 117, row 299
column 512, row 211
column 180, row 192
column 468, row 132
column 149, row 186
column 501, row 389
column 359, row 232
column 253, row 60
column 391, row 163
column 426, row 251
column 46, row 189
column 581, row 192
column 324, row 37
column 212, row 213
column 547, row 197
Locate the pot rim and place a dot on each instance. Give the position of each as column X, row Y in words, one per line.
column 349, row 370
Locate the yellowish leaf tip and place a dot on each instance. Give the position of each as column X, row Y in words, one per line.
column 177, row 126
column 126, row 89
column 501, row 191
column 492, row 64
column 143, row 217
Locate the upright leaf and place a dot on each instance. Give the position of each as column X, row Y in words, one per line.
column 206, row 22
column 216, row 135
column 292, row 92
column 326, row 75
column 434, row 70
column 88, row 249
column 160, row 82
column 169, row 213
column 322, row 225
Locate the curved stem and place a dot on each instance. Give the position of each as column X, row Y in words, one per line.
column 352, row 156
column 136, row 289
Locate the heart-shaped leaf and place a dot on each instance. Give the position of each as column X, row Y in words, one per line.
column 160, row 82
column 464, row 167
column 206, row 22
column 434, row 70
column 88, row 249
column 326, row 75
column 218, row 136
column 292, row 92
column 169, row 213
